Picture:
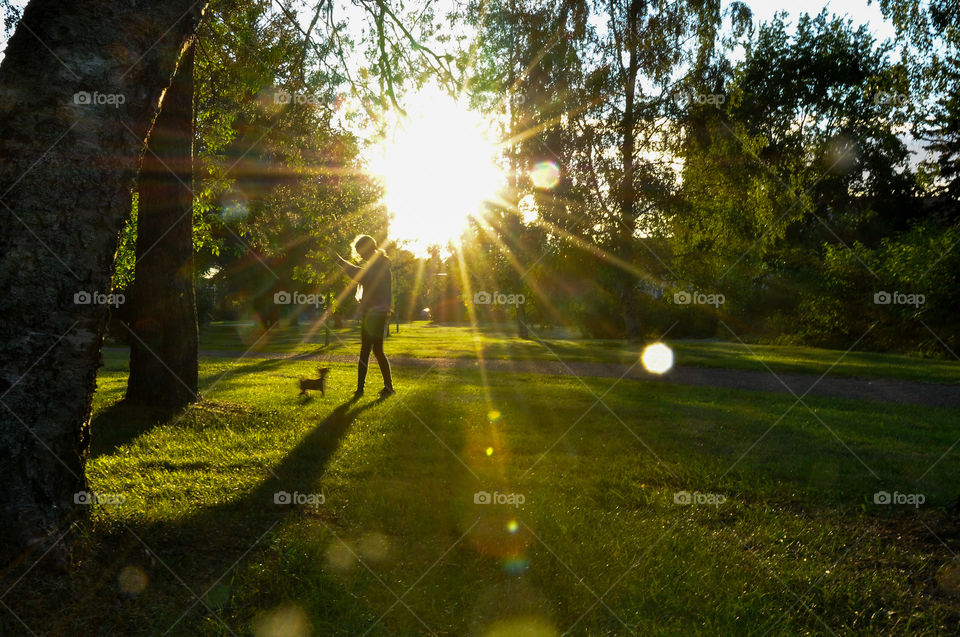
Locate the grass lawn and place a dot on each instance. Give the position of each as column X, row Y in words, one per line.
column 400, row 547
column 426, row 340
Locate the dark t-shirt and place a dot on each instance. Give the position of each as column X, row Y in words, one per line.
column 374, row 276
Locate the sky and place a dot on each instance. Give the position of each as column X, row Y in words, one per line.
column 859, row 10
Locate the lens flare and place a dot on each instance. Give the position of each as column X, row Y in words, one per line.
column 339, row 558
column 438, row 168
column 545, row 175
column 286, row 621
column 374, row 546
column 132, row 580
column 516, row 565
column 529, row 626
column 234, row 206
column 948, row 579
column 657, row 358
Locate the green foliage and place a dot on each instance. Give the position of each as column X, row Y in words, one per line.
column 780, row 181
column 126, row 251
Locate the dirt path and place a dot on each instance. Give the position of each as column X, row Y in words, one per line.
column 876, row 389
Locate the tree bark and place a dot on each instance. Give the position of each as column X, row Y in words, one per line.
column 163, row 350
column 80, row 86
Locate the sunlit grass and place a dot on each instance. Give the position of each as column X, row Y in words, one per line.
column 799, row 517
column 427, row 340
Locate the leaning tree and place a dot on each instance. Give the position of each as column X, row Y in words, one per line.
column 80, row 87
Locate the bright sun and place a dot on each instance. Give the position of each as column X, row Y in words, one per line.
column 437, row 169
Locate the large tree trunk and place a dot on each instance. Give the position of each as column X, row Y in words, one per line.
column 80, row 86
column 163, row 350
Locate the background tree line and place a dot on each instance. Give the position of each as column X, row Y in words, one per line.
column 698, row 152
column 702, row 152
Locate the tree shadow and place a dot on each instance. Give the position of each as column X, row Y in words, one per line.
column 208, row 545
column 237, row 367
column 184, row 558
column 121, row 423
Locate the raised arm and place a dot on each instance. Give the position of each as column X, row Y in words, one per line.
column 352, row 271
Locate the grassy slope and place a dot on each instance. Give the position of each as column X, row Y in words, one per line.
column 798, row 545
column 424, row 340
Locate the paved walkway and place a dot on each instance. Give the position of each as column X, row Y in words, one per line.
column 877, row 389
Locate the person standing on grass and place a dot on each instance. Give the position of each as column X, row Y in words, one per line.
column 373, row 278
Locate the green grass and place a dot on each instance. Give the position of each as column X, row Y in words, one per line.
column 798, row 545
column 426, row 340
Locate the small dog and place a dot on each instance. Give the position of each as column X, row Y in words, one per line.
column 315, row 383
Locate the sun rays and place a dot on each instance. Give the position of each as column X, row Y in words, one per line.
column 438, row 169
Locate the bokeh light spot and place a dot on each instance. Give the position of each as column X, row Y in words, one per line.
column 657, row 358
column 285, row 621
column 512, row 526
column 339, row 558
column 374, row 546
column 526, row 626
column 948, row 578
column 516, row 565
column 132, row 580
column 545, row 175
column 489, row 451
column 494, row 415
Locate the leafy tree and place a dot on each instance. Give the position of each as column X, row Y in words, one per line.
column 802, row 157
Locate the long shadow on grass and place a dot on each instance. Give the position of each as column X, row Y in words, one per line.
column 298, row 472
column 214, row 541
column 183, row 558
column 237, row 367
column 121, row 423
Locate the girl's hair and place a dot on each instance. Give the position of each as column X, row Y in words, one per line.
column 364, row 240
